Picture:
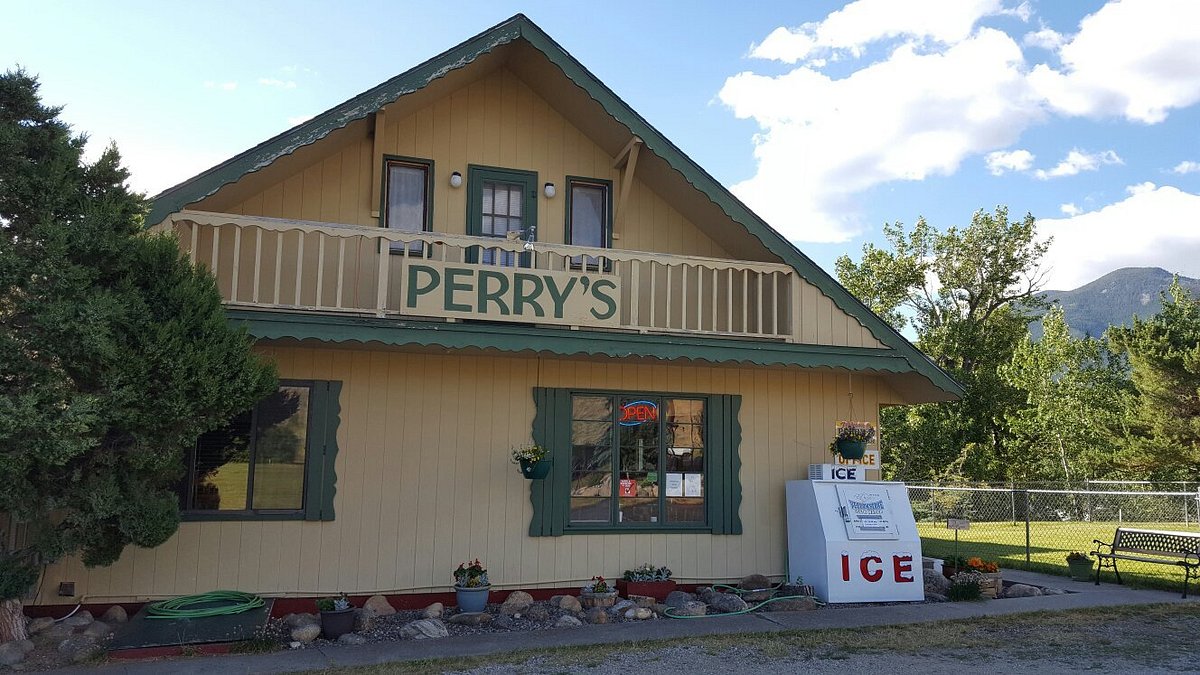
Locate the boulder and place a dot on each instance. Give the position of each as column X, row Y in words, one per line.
column 643, row 601
column 936, row 583
column 690, row 608
column 1022, row 591
column 515, row 603
column 434, row 611
column 351, row 639
column 39, row 624
column 759, row 584
column 78, row 619
column 377, row 605
column 597, row 615
column 424, row 629
column 567, row 622
column 1053, row 591
column 622, row 605
column 537, row 612
column 725, row 603
column 301, row 619
column 306, row 633
column 97, row 629
column 639, row 613
column 115, row 614
column 55, row 632
column 791, row 605
column 935, row 597
column 471, row 618
column 678, row 598
column 567, row 602
column 364, row 619
column 12, row 653
column 78, row 648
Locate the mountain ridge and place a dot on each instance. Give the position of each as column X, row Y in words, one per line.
column 1113, row 299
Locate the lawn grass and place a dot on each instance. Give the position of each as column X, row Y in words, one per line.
column 1049, row 543
column 1069, row 633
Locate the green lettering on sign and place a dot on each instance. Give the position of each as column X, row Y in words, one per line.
column 452, row 286
column 597, row 287
column 496, row 296
column 559, row 297
column 521, row 297
column 415, row 289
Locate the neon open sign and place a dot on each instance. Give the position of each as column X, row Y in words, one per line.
column 638, row 412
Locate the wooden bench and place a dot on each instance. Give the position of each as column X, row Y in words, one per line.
column 1153, row 546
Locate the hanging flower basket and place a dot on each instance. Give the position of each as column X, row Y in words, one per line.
column 535, row 470
column 851, row 449
column 534, row 461
column 851, row 438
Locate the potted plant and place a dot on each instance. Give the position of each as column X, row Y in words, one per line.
column 471, row 586
column 1080, row 566
column 533, row 460
column 598, row 594
column 646, row 579
column 851, row 438
column 337, row 616
column 990, row 581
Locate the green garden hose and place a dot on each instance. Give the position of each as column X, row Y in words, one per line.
column 231, row 602
column 748, row 609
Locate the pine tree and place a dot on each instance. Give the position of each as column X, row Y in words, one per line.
column 115, row 353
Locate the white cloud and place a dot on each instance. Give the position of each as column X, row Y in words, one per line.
column 1070, row 209
column 860, row 23
column 223, row 86
column 1078, row 160
column 1046, row 38
column 1001, row 161
column 1153, row 227
column 1140, row 188
column 1187, row 166
column 278, row 84
column 1138, row 60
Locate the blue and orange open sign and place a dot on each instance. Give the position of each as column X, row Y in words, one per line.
column 638, row 412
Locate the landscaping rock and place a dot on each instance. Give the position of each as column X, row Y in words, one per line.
column 377, row 605
column 567, row 602
column 471, row 618
column 424, row 629
column 661, row 609
column 515, row 603
column 758, row 583
column 622, row 605
column 97, row 629
column 597, row 615
column 639, row 613
column 434, row 611
column 935, row 597
column 115, row 614
column 78, row 619
column 537, row 612
column 301, row 619
column 351, row 639
column 12, row 653
column 1053, row 591
column 1022, row 591
column 55, row 632
column 643, row 601
column 791, row 605
column 364, row 619
column 937, row 583
column 678, row 598
column 79, row 648
column 690, row 608
column 567, row 622
column 306, row 633
column 39, row 624
column 725, row 602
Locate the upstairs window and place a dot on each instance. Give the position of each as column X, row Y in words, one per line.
column 589, row 217
column 407, row 190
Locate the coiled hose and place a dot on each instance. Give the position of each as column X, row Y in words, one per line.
column 185, row 606
column 748, row 609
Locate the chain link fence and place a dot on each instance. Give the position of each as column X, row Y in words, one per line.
column 1034, row 525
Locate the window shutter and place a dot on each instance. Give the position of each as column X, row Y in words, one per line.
column 724, row 437
column 552, row 430
column 322, row 450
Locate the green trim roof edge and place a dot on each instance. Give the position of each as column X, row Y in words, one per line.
column 515, row 338
column 521, row 27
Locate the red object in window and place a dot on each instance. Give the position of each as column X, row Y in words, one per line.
column 638, row 412
column 627, row 488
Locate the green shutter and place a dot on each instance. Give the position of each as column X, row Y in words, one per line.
column 322, row 450
column 724, row 437
column 551, row 429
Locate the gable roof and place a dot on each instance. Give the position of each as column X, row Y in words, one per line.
column 519, row 27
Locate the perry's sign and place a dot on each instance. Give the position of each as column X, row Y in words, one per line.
column 511, row 294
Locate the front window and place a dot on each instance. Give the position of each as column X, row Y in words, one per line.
column 406, row 199
column 637, row 460
column 257, row 463
column 589, row 218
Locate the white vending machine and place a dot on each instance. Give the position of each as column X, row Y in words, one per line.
column 854, row 540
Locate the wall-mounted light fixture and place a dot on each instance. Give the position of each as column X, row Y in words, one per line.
column 456, row 179
column 549, row 190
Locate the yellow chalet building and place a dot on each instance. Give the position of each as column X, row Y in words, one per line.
column 487, row 251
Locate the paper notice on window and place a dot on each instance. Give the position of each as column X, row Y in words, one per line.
column 674, row 485
column 693, row 485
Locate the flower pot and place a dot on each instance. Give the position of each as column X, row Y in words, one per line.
column 590, row 600
column 992, row 585
column 336, row 623
column 851, row 449
column 1080, row 570
column 472, row 599
column 535, row 470
column 655, row 589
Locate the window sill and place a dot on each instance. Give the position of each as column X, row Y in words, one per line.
column 633, row 529
column 220, row 516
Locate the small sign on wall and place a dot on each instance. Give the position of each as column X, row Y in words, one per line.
column 958, row 524
column 871, row 459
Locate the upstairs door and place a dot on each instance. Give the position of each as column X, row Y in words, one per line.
column 501, row 201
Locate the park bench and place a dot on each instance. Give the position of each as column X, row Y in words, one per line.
column 1153, row 546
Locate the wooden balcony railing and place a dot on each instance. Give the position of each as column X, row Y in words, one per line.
column 296, row 265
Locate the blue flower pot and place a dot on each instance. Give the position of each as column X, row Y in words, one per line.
column 535, row 470
column 472, row 599
column 851, row 449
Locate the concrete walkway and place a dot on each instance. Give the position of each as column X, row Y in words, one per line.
column 1081, row 595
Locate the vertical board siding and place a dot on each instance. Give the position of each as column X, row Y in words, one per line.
column 425, row 481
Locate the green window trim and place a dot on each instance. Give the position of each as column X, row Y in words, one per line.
column 550, row 497
column 476, row 175
column 320, row 482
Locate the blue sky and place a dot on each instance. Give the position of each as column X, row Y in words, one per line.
column 828, row 118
